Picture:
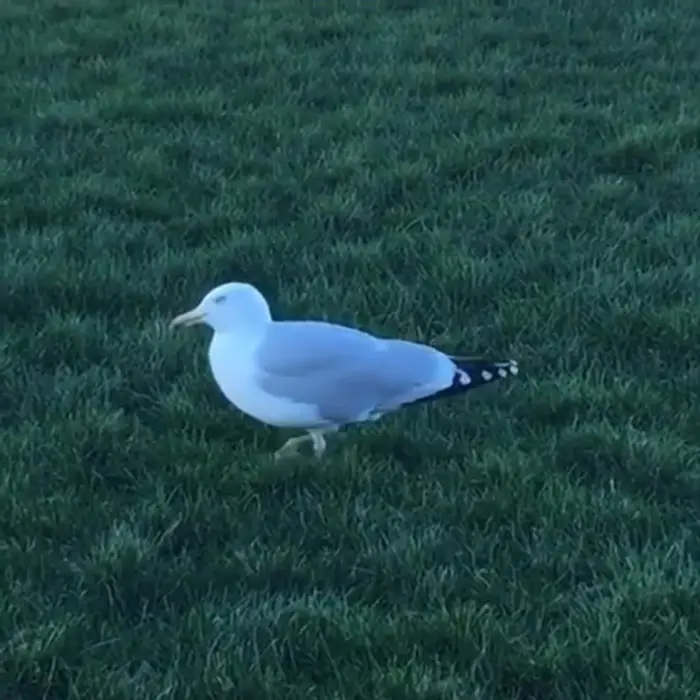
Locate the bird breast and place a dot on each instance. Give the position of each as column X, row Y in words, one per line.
column 232, row 362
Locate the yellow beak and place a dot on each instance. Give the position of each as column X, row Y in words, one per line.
column 189, row 318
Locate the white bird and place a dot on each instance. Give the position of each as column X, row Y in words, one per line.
column 320, row 376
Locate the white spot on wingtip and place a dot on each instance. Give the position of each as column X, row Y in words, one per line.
column 502, row 373
column 513, row 367
column 486, row 375
column 463, row 378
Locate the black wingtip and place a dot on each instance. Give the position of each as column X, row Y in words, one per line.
column 473, row 372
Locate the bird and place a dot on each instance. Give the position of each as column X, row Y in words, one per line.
column 320, row 377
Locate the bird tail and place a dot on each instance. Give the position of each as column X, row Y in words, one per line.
column 473, row 372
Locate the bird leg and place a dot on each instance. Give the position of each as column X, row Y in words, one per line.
column 319, row 442
column 291, row 447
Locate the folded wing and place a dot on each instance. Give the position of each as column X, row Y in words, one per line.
column 346, row 374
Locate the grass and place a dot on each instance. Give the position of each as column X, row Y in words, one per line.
column 513, row 179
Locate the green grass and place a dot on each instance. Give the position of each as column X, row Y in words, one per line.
column 515, row 179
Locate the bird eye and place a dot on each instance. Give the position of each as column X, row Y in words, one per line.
column 219, row 299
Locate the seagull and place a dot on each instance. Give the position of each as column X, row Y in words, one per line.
column 318, row 376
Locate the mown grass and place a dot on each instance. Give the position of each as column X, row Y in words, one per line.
column 515, row 179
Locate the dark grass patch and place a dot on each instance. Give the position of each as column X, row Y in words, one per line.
column 517, row 181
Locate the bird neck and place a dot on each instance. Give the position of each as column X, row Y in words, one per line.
column 245, row 330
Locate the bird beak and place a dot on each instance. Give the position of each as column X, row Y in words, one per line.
column 189, row 318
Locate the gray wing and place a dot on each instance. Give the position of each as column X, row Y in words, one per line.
column 346, row 374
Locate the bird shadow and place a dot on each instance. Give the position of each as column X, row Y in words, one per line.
column 412, row 454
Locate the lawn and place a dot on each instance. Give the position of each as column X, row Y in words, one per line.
column 514, row 179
